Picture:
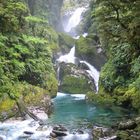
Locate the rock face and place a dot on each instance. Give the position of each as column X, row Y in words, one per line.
column 127, row 125
column 101, row 132
column 74, row 80
column 54, row 6
column 128, row 130
column 36, row 102
column 88, row 48
column 66, row 42
column 58, row 131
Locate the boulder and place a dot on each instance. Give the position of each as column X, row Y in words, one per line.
column 80, row 131
column 59, row 133
column 101, row 132
column 75, row 80
column 53, row 135
column 130, row 124
column 28, row 132
column 109, row 138
column 137, row 120
column 60, row 128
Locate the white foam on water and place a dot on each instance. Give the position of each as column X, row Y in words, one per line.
column 77, row 137
column 78, row 96
column 68, row 58
column 13, row 130
column 59, row 94
column 85, row 34
column 93, row 73
column 76, row 37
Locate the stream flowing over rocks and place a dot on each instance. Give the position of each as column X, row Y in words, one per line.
column 89, row 77
column 72, row 117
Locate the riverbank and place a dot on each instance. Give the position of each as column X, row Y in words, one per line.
column 72, row 112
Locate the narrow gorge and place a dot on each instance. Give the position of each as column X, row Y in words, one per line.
column 69, row 70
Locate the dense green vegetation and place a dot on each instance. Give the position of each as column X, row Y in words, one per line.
column 87, row 49
column 27, row 43
column 117, row 25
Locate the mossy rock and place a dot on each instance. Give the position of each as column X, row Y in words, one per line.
column 66, row 42
column 74, row 80
column 75, row 85
column 29, row 94
column 100, row 99
column 124, row 90
column 7, row 108
column 123, row 135
column 84, row 46
column 87, row 49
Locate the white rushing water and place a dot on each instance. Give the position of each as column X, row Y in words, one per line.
column 85, row 34
column 74, row 19
column 75, row 96
column 68, row 58
column 93, row 73
column 14, row 130
column 73, row 22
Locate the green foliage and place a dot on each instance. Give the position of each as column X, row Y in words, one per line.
column 101, row 99
column 34, row 20
column 66, row 41
column 12, row 16
column 117, row 25
column 75, row 85
column 34, row 40
column 107, row 77
column 26, row 45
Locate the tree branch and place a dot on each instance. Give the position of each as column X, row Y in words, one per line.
column 118, row 16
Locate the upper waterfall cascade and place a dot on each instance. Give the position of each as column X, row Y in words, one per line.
column 74, row 19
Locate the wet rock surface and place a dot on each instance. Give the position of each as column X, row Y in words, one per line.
column 58, row 131
column 102, row 132
column 74, row 79
column 28, row 132
column 130, row 124
column 126, row 130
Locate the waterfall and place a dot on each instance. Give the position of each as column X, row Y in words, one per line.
column 68, row 58
column 74, row 19
column 73, row 22
column 93, row 73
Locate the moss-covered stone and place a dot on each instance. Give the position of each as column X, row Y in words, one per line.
column 30, row 95
column 66, row 42
column 124, row 90
column 75, row 85
column 74, row 80
column 100, row 99
column 123, row 135
column 87, row 49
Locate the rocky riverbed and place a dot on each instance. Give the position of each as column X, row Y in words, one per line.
column 33, row 130
column 124, row 130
